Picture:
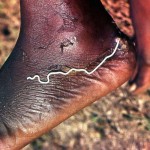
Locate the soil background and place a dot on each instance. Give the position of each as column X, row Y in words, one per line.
column 118, row 121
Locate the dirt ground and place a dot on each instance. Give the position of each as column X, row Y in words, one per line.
column 118, row 121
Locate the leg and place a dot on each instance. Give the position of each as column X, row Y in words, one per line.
column 28, row 109
column 140, row 11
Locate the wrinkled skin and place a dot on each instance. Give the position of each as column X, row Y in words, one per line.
column 28, row 109
column 140, row 11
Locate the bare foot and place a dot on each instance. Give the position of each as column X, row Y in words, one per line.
column 56, row 34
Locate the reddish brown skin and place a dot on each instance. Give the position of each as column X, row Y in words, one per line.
column 29, row 109
column 140, row 12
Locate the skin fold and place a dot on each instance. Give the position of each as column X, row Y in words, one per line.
column 57, row 35
column 140, row 11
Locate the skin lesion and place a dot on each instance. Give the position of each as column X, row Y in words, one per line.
column 30, row 102
column 66, row 43
column 78, row 69
column 32, row 109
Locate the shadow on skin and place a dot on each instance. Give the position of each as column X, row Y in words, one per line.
column 28, row 109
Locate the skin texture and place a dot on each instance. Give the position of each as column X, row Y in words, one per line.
column 29, row 109
column 140, row 10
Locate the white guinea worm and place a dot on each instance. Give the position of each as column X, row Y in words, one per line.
column 74, row 69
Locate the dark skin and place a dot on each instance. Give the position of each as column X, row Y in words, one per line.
column 141, row 20
column 29, row 109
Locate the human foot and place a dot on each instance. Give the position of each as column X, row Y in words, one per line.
column 55, row 35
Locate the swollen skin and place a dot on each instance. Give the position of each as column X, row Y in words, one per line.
column 75, row 69
column 46, row 43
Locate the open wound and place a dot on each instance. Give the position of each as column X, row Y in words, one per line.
column 75, row 69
